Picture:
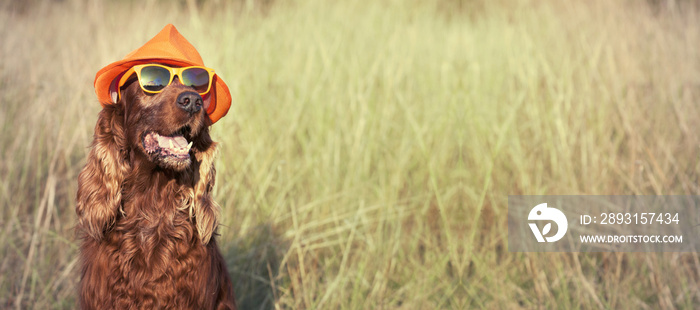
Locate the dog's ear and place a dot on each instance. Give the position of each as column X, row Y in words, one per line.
column 206, row 210
column 99, row 183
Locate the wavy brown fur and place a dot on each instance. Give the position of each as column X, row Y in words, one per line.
column 148, row 225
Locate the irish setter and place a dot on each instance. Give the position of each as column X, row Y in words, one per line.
column 146, row 217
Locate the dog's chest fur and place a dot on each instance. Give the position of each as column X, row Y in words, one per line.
column 159, row 249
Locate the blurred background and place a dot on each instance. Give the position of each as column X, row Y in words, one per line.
column 368, row 156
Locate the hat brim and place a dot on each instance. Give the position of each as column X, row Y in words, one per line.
column 220, row 100
column 107, row 77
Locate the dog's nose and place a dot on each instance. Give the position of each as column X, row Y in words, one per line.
column 190, row 102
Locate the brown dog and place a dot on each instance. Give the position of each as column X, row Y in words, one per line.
column 146, row 217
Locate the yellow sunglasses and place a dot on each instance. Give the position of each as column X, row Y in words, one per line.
column 153, row 78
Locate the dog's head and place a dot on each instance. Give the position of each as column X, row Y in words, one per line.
column 144, row 134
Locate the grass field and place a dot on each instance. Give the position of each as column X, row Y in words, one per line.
column 371, row 146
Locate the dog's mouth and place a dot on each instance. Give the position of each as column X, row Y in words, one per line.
column 172, row 150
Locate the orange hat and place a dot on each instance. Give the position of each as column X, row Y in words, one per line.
column 167, row 47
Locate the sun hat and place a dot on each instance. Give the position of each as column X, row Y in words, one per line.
column 167, row 47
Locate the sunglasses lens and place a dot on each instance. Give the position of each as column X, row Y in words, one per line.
column 196, row 78
column 154, row 78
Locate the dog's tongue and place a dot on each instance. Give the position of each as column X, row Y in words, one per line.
column 172, row 143
column 176, row 145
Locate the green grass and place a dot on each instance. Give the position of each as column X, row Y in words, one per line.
column 371, row 146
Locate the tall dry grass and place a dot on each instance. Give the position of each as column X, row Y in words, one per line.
column 371, row 146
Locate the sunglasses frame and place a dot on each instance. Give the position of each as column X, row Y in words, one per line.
column 173, row 72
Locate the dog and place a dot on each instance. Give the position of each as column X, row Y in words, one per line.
column 146, row 218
